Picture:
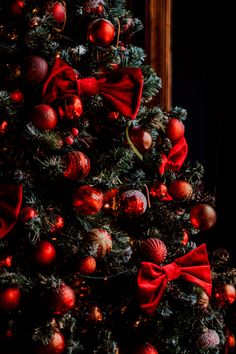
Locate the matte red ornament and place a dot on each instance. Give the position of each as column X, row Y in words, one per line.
column 87, row 265
column 158, row 190
column 203, row 216
column 100, row 240
column 44, row 117
column 153, row 250
column 27, row 214
column 133, row 203
column 145, row 349
column 87, row 200
column 62, row 299
column 180, row 189
column 9, row 298
column 55, row 346
column 71, row 108
column 44, row 254
column 175, row 130
column 58, row 11
column 209, row 339
column 141, row 138
column 34, row 69
column 17, row 96
column 101, row 32
column 77, row 165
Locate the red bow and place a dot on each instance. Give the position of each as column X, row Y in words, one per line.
column 122, row 89
column 175, row 158
column 152, row 279
column 10, row 203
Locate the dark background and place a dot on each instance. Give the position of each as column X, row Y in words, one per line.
column 203, row 40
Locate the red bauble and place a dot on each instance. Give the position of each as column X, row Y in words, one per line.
column 9, row 298
column 55, row 346
column 17, row 7
column 77, row 166
column 225, row 294
column 154, row 250
column 185, row 238
column 44, row 254
column 175, row 130
column 58, row 11
column 180, row 189
column 93, row 7
column 145, row 349
column 100, row 241
column 62, row 299
column 87, row 200
column 158, row 190
column 209, row 339
column 141, row 138
column 17, row 96
column 133, row 203
column 112, row 116
column 87, row 265
column 101, row 32
column 71, row 108
column 202, row 216
column 74, row 132
column 34, row 69
column 44, row 117
column 27, row 214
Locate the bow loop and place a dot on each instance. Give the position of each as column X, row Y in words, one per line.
column 172, row 271
column 176, row 157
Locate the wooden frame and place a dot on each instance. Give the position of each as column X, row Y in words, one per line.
column 158, row 45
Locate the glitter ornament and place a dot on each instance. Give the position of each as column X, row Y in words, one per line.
column 77, row 166
column 133, row 203
column 209, row 339
column 202, row 216
column 180, row 190
column 87, row 265
column 153, row 250
column 43, row 117
column 62, row 299
column 175, row 130
column 87, row 200
column 101, row 32
column 100, row 241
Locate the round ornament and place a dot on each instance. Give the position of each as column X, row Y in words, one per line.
column 100, row 240
column 9, row 298
column 44, row 254
column 34, row 69
column 71, row 108
column 69, row 140
column 158, row 190
column 62, row 299
column 74, row 131
column 58, row 11
column 55, row 346
column 175, row 130
column 141, row 138
column 225, row 294
column 145, row 349
column 202, row 216
column 93, row 7
column 133, row 203
column 77, row 166
column 154, row 250
column 43, row 117
column 87, row 265
column 27, row 214
column 180, row 190
column 101, row 32
column 209, row 339
column 87, row 200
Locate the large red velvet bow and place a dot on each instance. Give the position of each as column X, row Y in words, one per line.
column 175, row 158
column 152, row 279
column 10, row 203
column 122, row 89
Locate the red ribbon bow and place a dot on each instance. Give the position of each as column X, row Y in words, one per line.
column 152, row 279
column 175, row 158
column 122, row 89
column 10, row 204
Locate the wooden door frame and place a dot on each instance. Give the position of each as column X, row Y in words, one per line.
column 158, row 26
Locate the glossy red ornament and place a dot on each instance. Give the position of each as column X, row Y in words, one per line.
column 77, row 166
column 9, row 298
column 17, row 8
column 100, row 241
column 133, row 203
column 27, row 214
column 93, row 7
column 180, row 189
column 225, row 294
column 185, row 238
column 153, row 250
column 55, row 346
column 175, row 130
column 43, row 117
column 101, row 32
column 141, row 138
column 44, row 254
column 87, row 200
column 17, row 96
column 145, row 349
column 62, row 299
column 34, row 69
column 112, row 116
column 71, row 108
column 202, row 216
column 87, row 265
column 158, row 190
column 69, row 140
column 58, row 11
column 74, row 132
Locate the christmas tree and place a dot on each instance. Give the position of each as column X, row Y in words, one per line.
column 100, row 211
